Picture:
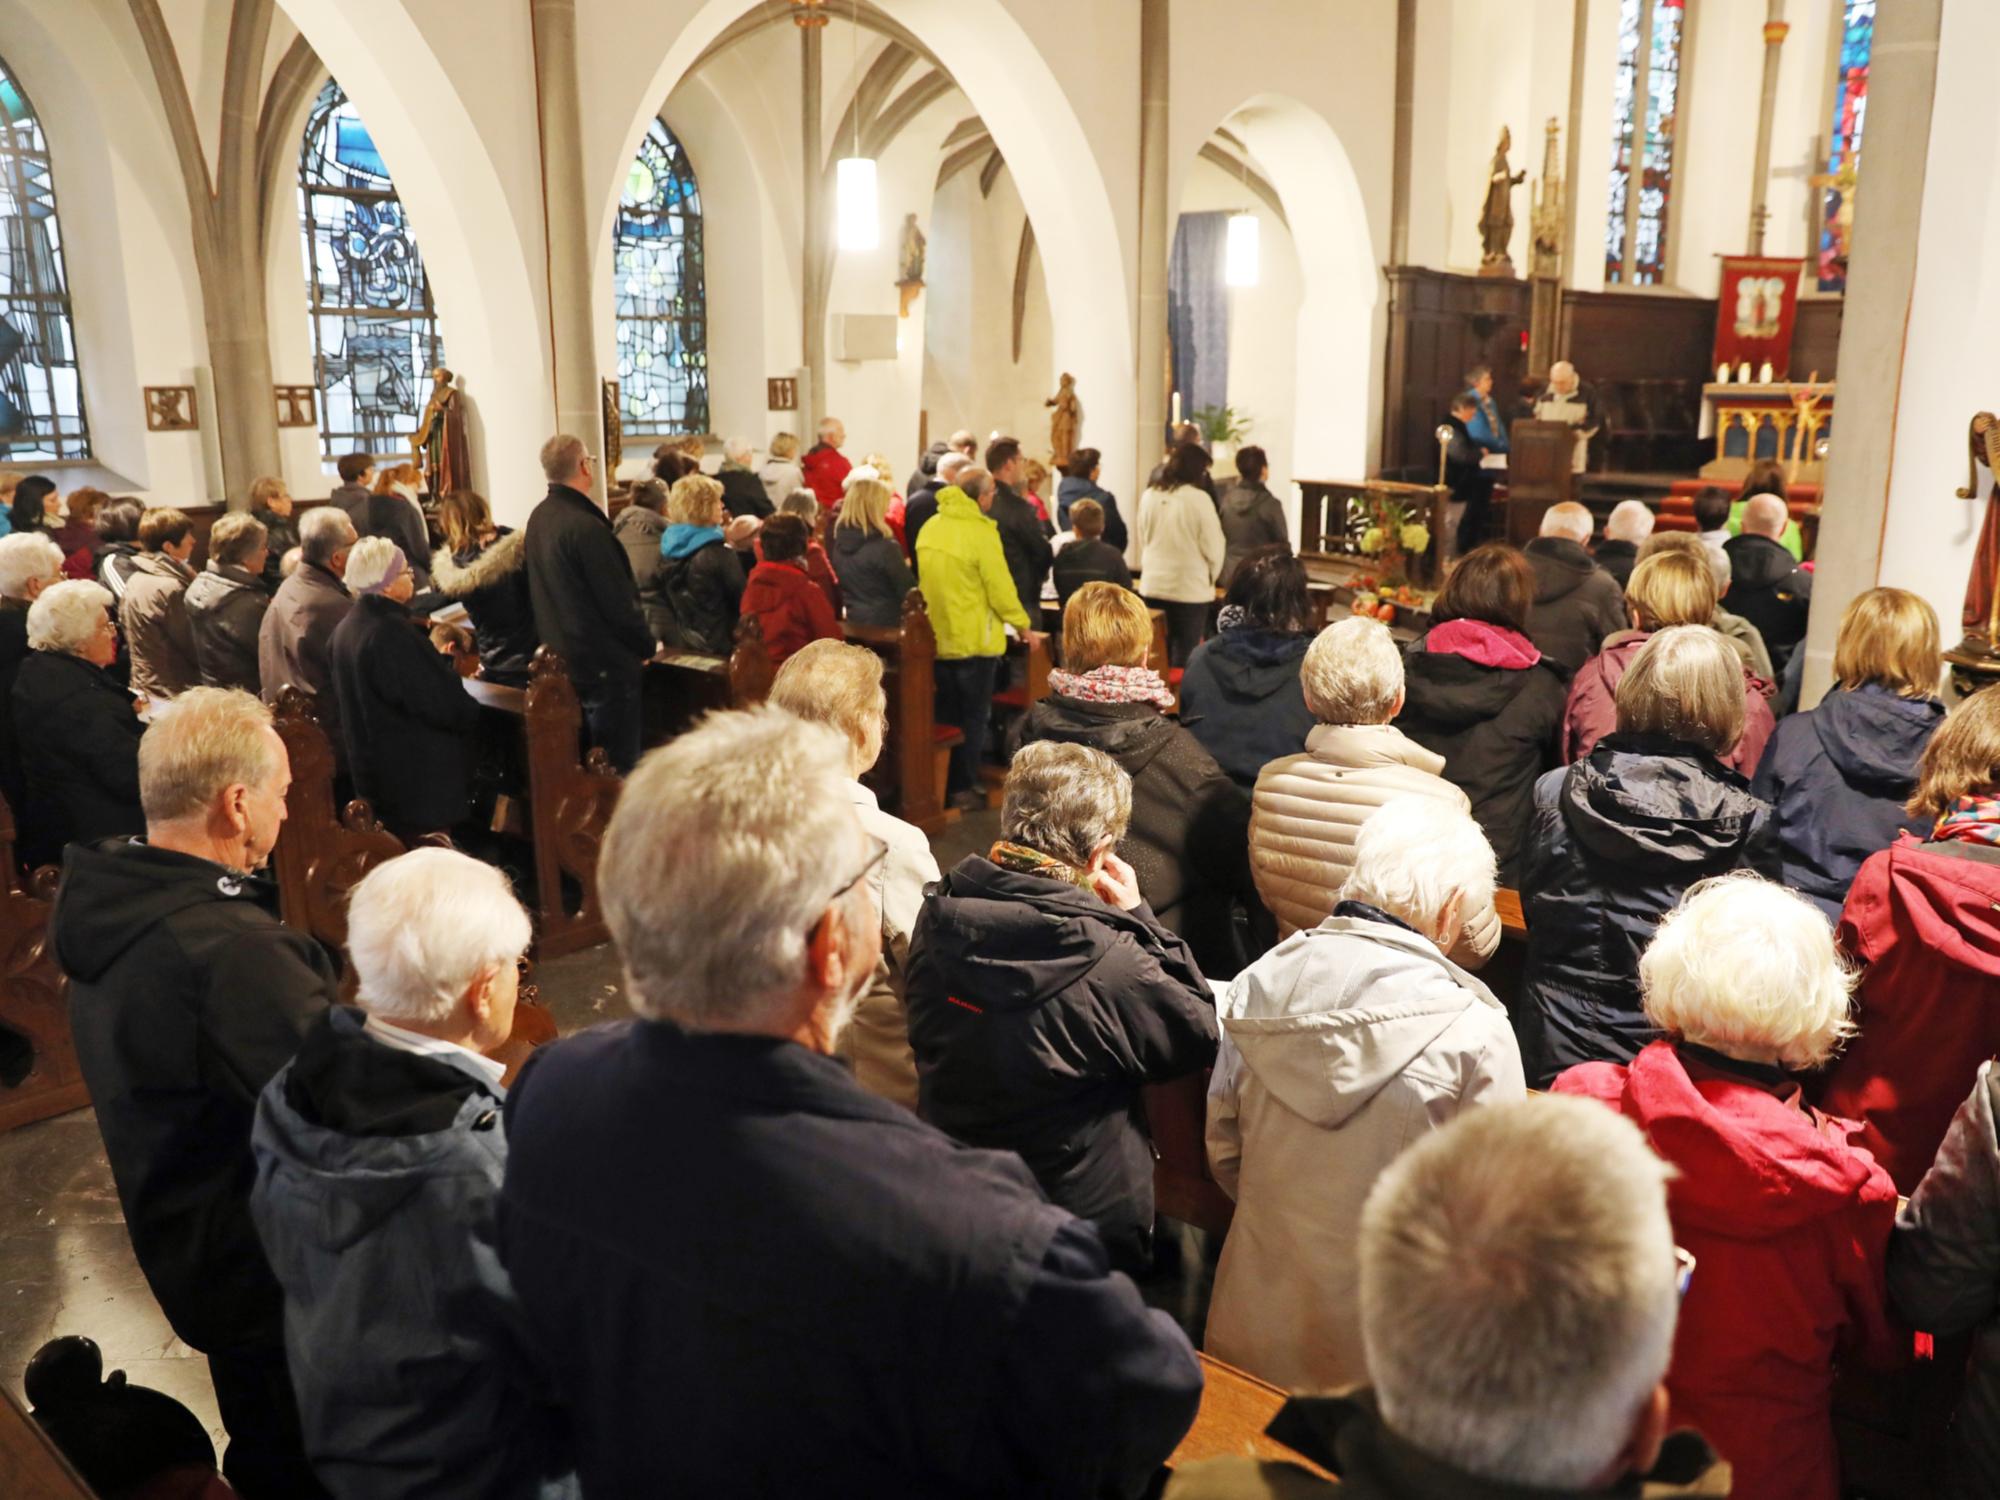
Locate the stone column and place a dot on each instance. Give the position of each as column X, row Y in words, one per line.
column 1775, row 31
column 812, row 258
column 1155, row 19
column 1404, row 144
column 1899, row 418
column 566, row 216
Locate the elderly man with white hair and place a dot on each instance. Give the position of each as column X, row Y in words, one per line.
column 705, row 1214
column 1307, row 809
column 1788, row 1218
column 921, row 506
column 1338, row 1046
column 824, row 465
column 1629, row 524
column 30, row 561
column 380, row 1147
column 76, row 735
column 1767, row 585
column 1577, row 603
column 186, row 995
column 1568, row 399
column 1518, row 1289
column 297, row 629
column 743, row 493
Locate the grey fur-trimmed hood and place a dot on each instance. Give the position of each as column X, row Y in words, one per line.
column 498, row 562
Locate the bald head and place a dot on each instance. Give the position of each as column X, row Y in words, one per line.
column 1562, row 377
column 952, row 465
column 1568, row 520
column 1765, row 515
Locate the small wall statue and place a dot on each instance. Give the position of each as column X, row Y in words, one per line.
column 910, row 262
column 1066, row 421
column 438, row 446
column 1496, row 220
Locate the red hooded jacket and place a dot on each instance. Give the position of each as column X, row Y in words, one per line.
column 1925, row 920
column 824, row 469
column 1789, row 1226
column 790, row 608
column 1592, row 710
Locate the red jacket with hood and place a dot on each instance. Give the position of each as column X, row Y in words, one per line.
column 790, row 608
column 1925, row 921
column 1789, row 1225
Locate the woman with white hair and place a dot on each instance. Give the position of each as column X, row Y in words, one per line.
column 1618, row 836
column 743, row 493
column 1339, row 1047
column 77, row 734
column 1787, row 1220
column 1044, row 995
column 29, row 563
column 404, row 715
column 381, row 1147
column 840, row 686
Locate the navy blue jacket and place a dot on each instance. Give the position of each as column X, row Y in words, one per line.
column 748, row 1277
column 1617, row 838
column 1073, row 489
column 1241, row 697
column 1836, row 779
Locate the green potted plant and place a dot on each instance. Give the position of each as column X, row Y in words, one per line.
column 1223, row 429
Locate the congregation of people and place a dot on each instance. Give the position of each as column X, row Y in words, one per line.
column 861, row 1200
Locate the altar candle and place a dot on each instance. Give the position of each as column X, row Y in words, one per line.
column 1743, row 373
column 1177, row 408
column 1764, row 373
column 1722, row 373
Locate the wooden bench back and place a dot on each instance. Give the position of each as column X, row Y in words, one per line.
column 34, row 995
column 570, row 798
column 904, row 777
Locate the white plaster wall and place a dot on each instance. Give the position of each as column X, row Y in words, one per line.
column 285, row 307
column 134, row 293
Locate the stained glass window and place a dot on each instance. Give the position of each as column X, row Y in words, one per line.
column 1645, row 101
column 375, row 332
column 1843, row 157
column 41, row 394
column 662, row 304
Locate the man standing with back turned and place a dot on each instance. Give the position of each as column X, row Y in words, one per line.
column 186, row 995
column 586, row 603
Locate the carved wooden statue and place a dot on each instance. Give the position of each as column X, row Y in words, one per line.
column 1496, row 220
column 1982, row 598
column 1066, row 424
column 438, row 445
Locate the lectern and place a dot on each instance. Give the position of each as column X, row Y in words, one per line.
column 1539, row 474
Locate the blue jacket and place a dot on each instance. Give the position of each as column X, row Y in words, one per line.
column 1836, row 779
column 1241, row 697
column 1072, row 490
column 377, row 1175
column 749, row 1277
column 1486, row 428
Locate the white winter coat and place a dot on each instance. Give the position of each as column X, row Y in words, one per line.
column 1177, row 543
column 877, row 1040
column 1340, row 1047
column 1307, row 809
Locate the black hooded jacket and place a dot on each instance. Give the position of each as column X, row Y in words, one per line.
column 1618, row 838
column 1037, row 1012
column 78, row 743
column 1242, row 698
column 1577, row 603
column 1768, row 588
column 186, row 997
column 1189, row 839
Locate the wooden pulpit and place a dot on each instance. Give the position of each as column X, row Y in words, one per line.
column 1540, row 456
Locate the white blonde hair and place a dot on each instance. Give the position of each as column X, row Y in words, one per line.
column 726, row 847
column 1353, row 673
column 1418, row 857
column 1065, row 800
column 1518, row 1290
column 368, row 563
column 1629, row 521
column 1746, row 967
column 738, row 451
column 203, row 742
column 838, row 685
column 1567, row 519
column 425, row 926
column 26, row 557
column 66, row 615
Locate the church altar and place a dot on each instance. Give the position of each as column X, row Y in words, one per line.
column 1785, row 421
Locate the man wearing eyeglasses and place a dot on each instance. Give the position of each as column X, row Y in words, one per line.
column 585, row 601
column 745, row 1274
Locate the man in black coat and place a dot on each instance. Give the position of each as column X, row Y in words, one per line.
column 843, row 1300
column 1471, row 485
column 186, row 995
column 405, row 717
column 922, row 504
column 1577, row 603
column 1767, row 586
column 271, row 504
column 357, row 473
column 743, row 493
column 586, row 602
column 1022, row 537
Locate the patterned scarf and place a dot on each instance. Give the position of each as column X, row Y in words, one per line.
column 1976, row 820
column 1025, row 861
column 1113, row 685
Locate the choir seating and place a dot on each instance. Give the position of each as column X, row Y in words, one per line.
column 34, row 1001
column 909, row 776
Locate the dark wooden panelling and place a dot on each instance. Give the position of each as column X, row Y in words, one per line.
column 1440, row 326
column 1637, row 336
column 1816, row 337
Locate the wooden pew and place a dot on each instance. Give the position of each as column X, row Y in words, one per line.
column 31, row 1466
column 908, row 778
column 1183, row 1188
column 681, row 686
column 1235, row 1409
column 1018, row 697
column 34, row 996
column 1502, row 973
column 570, row 799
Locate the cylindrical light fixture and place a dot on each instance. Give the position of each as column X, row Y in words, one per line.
column 1240, row 256
column 859, row 222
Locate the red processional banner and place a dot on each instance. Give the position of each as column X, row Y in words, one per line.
column 1754, row 316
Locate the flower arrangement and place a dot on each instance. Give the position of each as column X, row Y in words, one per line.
column 1394, row 535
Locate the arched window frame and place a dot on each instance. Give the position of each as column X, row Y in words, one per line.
column 42, row 415
column 661, row 294
column 1846, row 116
column 1647, row 98
column 366, row 289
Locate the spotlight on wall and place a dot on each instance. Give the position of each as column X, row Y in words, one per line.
column 1240, row 259
column 860, row 225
